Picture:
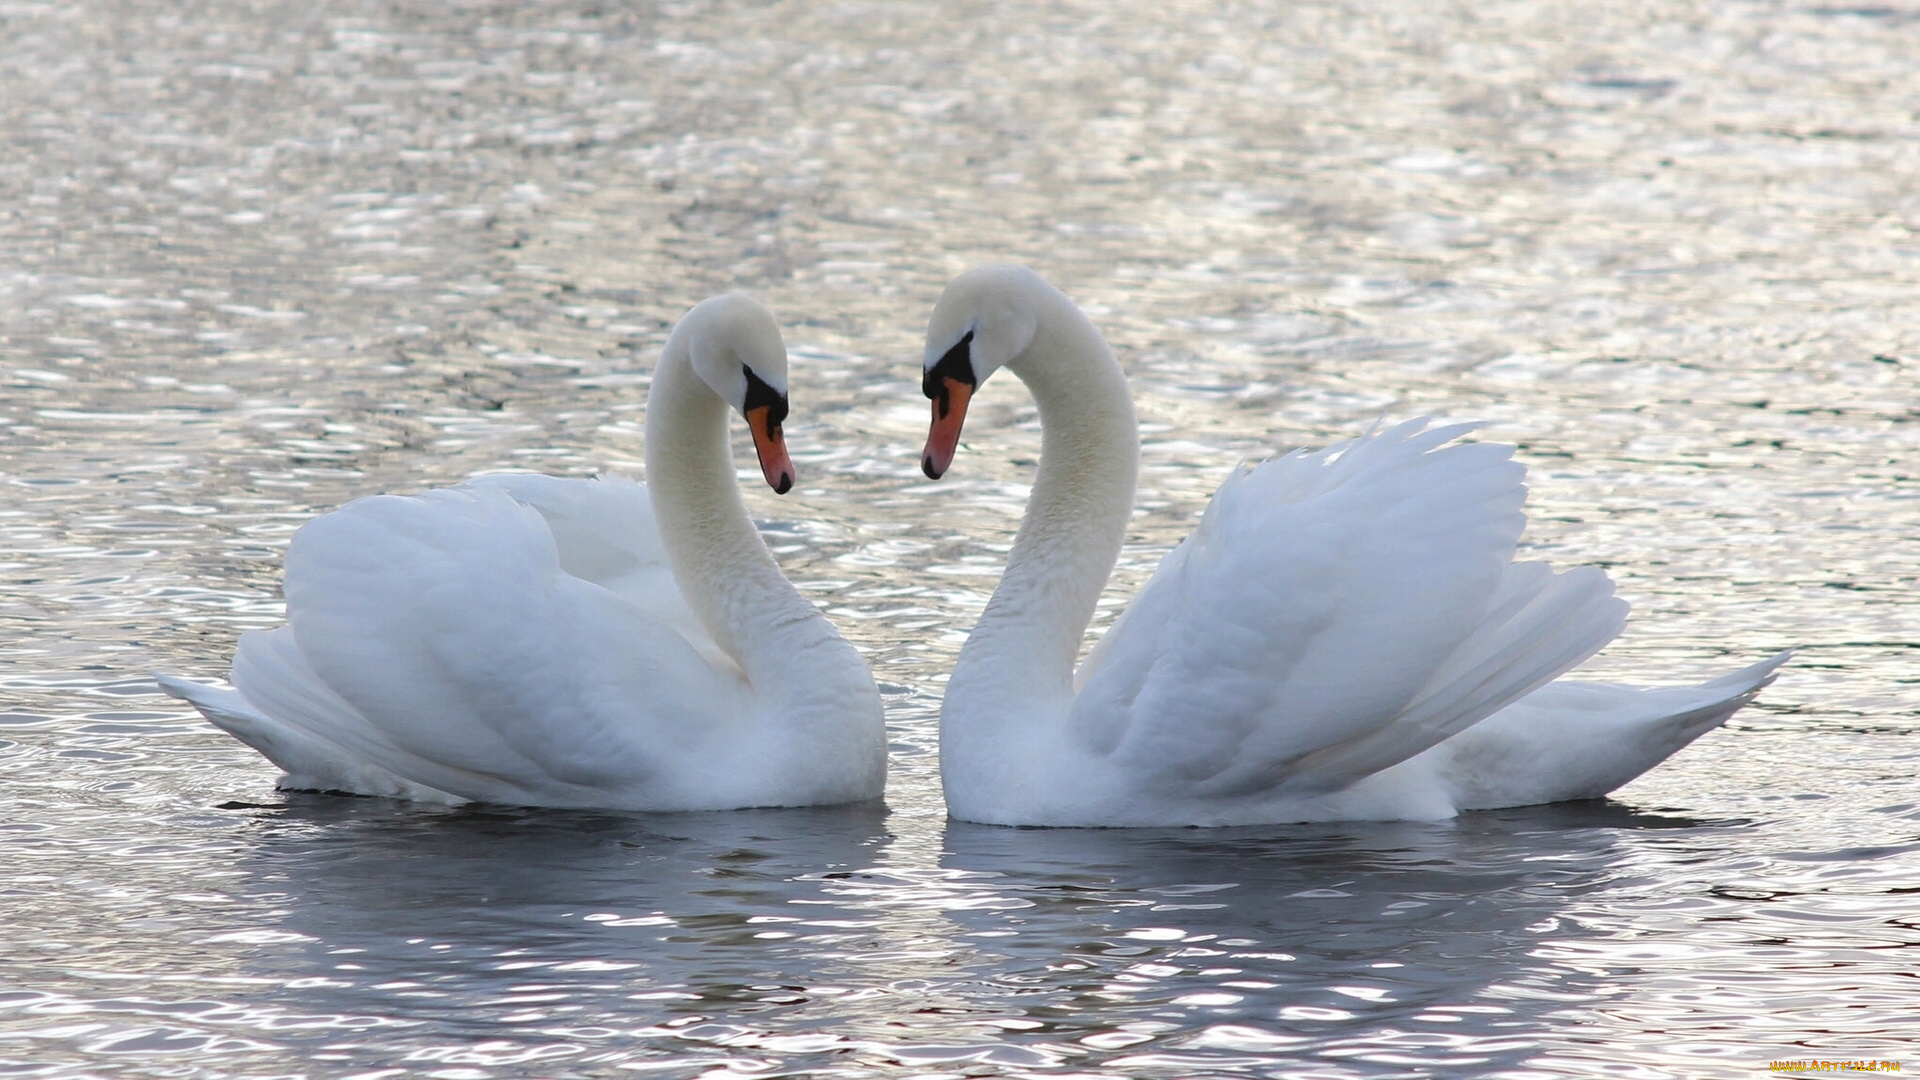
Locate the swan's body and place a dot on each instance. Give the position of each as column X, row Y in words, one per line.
column 590, row 643
column 1345, row 636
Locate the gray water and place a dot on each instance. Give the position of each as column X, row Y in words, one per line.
column 257, row 259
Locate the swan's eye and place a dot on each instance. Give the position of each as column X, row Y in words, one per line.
column 762, row 396
column 956, row 365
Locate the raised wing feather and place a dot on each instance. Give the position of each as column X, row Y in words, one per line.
column 1323, row 599
column 441, row 637
column 604, row 532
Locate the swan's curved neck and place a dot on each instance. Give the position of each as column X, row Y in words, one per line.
column 722, row 566
column 1030, row 635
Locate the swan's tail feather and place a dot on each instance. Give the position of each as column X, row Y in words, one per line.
column 1751, row 680
column 1539, row 625
column 307, row 763
column 272, row 672
column 1576, row 740
column 228, row 711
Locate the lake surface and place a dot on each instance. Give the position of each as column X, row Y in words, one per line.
column 257, row 259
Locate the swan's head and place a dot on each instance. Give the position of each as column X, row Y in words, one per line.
column 735, row 347
column 985, row 320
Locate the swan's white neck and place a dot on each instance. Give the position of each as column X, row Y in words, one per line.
column 719, row 561
column 1021, row 653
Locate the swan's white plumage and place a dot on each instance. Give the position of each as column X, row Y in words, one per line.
column 1577, row 740
column 1334, row 613
column 439, row 641
column 525, row 639
column 307, row 762
column 1345, row 635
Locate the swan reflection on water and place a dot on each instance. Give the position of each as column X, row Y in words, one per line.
column 735, row 930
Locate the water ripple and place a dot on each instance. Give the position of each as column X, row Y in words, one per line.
column 262, row 259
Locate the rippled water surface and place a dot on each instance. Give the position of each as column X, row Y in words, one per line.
column 259, row 258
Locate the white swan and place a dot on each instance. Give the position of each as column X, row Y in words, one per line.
column 589, row 643
column 1344, row 636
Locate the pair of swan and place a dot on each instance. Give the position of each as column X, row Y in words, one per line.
column 1346, row 635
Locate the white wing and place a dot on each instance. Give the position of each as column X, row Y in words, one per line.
column 517, row 639
column 604, row 532
column 1334, row 613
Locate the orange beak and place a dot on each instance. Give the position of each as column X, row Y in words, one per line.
column 943, row 438
column 775, row 465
